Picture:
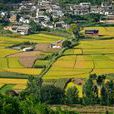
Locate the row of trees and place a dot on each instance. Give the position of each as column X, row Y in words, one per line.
column 96, row 90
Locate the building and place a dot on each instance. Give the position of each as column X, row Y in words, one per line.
column 91, row 32
column 23, row 30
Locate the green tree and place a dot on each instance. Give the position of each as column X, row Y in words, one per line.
column 110, row 92
column 74, row 31
column 71, row 95
column 33, row 88
column 9, row 105
column 104, row 96
column 101, row 79
column 67, row 44
column 27, row 106
column 90, row 92
column 51, row 94
column 34, row 27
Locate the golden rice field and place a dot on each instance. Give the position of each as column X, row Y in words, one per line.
column 103, row 31
column 29, row 71
column 92, row 56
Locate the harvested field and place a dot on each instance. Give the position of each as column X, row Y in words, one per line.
column 27, row 59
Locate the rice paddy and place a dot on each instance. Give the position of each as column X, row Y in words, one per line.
column 90, row 56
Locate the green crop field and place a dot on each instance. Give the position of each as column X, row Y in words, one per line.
column 90, row 56
column 6, row 88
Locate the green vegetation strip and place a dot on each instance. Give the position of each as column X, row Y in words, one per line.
column 13, row 75
column 6, row 88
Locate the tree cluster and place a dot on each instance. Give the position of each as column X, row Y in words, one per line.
column 98, row 91
column 33, row 100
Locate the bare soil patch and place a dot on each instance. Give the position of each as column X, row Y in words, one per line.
column 27, row 59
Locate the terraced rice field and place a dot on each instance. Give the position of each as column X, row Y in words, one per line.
column 92, row 56
column 16, row 61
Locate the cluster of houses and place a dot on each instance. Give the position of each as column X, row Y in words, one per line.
column 105, row 8
column 49, row 14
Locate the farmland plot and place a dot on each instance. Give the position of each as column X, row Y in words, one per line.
column 92, row 56
column 70, row 66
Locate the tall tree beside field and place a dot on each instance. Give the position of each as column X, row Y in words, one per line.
column 90, row 92
column 34, row 88
column 110, row 92
column 104, row 96
column 74, row 31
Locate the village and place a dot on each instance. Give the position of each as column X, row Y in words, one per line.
column 50, row 15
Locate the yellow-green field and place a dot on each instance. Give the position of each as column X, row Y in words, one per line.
column 92, row 56
column 19, row 84
column 104, row 32
column 12, row 64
